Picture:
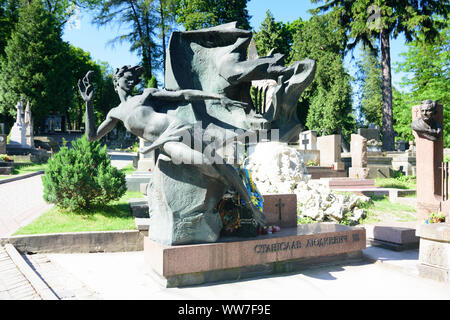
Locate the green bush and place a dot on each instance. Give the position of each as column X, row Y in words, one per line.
column 82, row 177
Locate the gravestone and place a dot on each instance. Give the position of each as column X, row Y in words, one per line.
column 281, row 209
column 21, row 139
column 359, row 169
column 308, row 140
column 372, row 132
column 307, row 147
column 28, row 120
column 429, row 157
column 139, row 179
column 146, row 161
column 404, row 162
column 3, row 138
column 330, row 151
column 400, row 145
column 18, row 131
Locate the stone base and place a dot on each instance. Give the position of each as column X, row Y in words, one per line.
column 434, row 273
column 134, row 180
column 146, row 165
column 325, row 172
column 358, row 173
column 434, row 251
column 139, row 207
column 234, row 258
column 393, row 237
column 349, row 183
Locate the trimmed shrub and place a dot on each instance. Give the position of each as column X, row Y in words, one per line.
column 82, row 177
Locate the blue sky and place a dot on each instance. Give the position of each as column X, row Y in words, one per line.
column 94, row 39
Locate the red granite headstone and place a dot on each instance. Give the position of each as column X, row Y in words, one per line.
column 429, row 157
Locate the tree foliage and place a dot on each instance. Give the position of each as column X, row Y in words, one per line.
column 429, row 77
column 34, row 66
column 365, row 19
column 327, row 101
column 275, row 35
column 82, row 177
column 141, row 19
column 80, row 62
column 402, row 108
column 9, row 15
column 198, row 14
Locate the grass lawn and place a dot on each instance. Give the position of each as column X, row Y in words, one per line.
column 397, row 183
column 114, row 216
column 25, row 168
column 382, row 210
column 128, row 169
column 28, row 168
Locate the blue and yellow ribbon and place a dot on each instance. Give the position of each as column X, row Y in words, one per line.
column 252, row 190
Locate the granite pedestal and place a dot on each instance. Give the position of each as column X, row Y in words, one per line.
column 434, row 251
column 232, row 258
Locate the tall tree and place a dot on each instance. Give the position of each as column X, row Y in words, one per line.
column 9, row 15
column 427, row 65
column 364, row 19
column 275, row 35
column 369, row 87
column 140, row 16
column 198, row 14
column 34, row 66
column 327, row 102
column 166, row 11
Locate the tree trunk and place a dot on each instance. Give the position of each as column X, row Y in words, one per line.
column 388, row 120
column 163, row 34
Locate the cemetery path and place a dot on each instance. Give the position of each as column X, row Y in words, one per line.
column 393, row 276
column 121, row 159
column 21, row 201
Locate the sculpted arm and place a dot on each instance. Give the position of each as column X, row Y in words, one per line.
column 189, row 95
column 87, row 93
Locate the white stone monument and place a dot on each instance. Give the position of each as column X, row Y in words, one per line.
column 22, row 130
column 308, row 140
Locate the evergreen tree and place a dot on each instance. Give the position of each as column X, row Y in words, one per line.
column 327, row 102
column 9, row 14
column 34, row 66
column 82, row 177
column 275, row 35
column 365, row 19
column 198, row 14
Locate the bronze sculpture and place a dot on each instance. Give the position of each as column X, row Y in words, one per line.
column 426, row 126
column 207, row 82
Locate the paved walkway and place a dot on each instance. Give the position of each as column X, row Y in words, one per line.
column 384, row 274
column 13, row 283
column 21, row 201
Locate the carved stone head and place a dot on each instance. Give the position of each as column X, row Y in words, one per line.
column 426, row 126
column 127, row 77
column 428, row 111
